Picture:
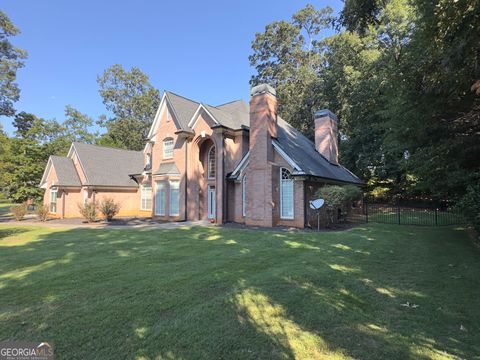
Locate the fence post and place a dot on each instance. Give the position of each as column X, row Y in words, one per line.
column 436, row 217
column 398, row 213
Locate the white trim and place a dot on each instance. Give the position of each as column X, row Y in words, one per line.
column 79, row 161
column 293, row 196
column 244, row 195
column 43, row 182
column 209, row 176
column 141, row 198
column 164, row 189
column 240, row 165
column 170, row 213
column 287, row 158
column 194, row 119
column 53, row 190
column 163, row 147
column 157, row 116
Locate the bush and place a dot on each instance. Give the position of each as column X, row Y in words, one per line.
column 88, row 211
column 42, row 211
column 338, row 198
column 109, row 208
column 469, row 206
column 19, row 211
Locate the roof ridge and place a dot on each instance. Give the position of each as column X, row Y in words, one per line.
column 107, row 147
column 183, row 97
column 229, row 102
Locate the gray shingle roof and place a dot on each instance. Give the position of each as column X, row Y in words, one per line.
column 105, row 166
column 184, row 109
column 167, row 168
column 65, row 171
column 302, row 150
column 235, row 115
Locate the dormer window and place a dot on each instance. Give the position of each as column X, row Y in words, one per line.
column 168, row 148
column 211, row 163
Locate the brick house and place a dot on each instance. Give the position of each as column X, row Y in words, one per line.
column 232, row 162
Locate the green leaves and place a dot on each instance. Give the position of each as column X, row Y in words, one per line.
column 11, row 59
column 133, row 101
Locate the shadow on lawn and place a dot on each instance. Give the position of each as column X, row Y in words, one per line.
column 211, row 293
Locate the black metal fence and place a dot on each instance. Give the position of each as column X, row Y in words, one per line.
column 404, row 213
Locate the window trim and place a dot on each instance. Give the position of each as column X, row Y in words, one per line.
column 244, row 195
column 163, row 184
column 281, row 195
column 209, row 176
column 53, row 190
column 165, row 155
column 142, row 190
column 170, row 213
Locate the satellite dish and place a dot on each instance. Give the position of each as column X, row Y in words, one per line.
column 316, row 204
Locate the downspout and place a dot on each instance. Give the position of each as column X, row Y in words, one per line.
column 63, row 203
column 224, row 187
column 186, row 178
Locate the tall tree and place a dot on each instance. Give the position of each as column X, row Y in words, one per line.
column 11, row 59
column 133, row 101
column 286, row 55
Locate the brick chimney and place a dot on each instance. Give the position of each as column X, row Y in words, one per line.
column 326, row 135
column 263, row 127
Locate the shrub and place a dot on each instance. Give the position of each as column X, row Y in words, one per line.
column 88, row 211
column 469, row 206
column 109, row 208
column 42, row 211
column 338, row 198
column 19, row 211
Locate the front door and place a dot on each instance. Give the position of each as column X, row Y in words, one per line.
column 211, row 202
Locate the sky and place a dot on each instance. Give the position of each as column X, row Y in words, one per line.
column 198, row 49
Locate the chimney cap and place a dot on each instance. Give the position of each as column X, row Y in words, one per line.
column 262, row 89
column 325, row 113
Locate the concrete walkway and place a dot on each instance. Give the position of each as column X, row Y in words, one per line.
column 120, row 223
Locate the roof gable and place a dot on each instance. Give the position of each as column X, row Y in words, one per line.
column 64, row 170
column 106, row 166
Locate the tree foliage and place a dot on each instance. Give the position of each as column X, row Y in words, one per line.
column 11, row 59
column 399, row 76
column 133, row 101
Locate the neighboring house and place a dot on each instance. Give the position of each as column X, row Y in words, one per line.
column 231, row 162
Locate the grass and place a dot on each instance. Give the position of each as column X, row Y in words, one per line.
column 209, row 293
column 5, row 208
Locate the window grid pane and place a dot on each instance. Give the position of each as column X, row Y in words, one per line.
column 286, row 194
column 168, row 148
column 211, row 163
column 146, row 203
column 160, row 199
column 53, row 200
column 174, row 198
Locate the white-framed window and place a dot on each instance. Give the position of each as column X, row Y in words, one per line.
column 148, row 162
column 53, row 200
column 146, row 197
column 85, row 196
column 286, row 194
column 168, row 148
column 160, row 198
column 174, row 198
column 211, row 163
column 244, row 195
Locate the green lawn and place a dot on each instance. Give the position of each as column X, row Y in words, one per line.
column 5, row 208
column 208, row 293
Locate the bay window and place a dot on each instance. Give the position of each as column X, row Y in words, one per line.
column 174, row 198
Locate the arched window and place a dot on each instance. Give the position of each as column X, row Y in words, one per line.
column 286, row 194
column 211, row 163
column 168, row 148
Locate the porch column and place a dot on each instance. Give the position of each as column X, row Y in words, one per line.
column 220, row 175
